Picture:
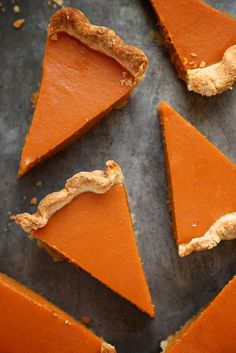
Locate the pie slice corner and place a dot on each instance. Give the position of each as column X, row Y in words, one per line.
column 211, row 330
column 27, row 317
column 201, row 42
column 89, row 223
column 201, row 185
column 87, row 71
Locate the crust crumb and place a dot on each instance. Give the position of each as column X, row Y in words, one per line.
column 193, row 54
column 202, row 64
column 156, row 37
column 33, row 201
column 16, row 9
column 12, row 218
column 34, row 98
column 85, row 320
column 18, row 23
column 58, row 2
column 126, row 82
column 107, row 348
column 2, row 8
column 39, row 183
column 54, row 36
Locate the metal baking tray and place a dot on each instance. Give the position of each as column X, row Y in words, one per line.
column 130, row 136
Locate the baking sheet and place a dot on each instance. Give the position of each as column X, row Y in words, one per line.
column 131, row 136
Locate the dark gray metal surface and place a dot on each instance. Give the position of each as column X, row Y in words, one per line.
column 131, row 136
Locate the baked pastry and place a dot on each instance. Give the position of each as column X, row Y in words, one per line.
column 29, row 323
column 89, row 224
column 87, row 71
column 202, row 44
column 201, row 183
column 211, row 330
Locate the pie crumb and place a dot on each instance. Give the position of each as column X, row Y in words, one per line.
column 85, row 320
column 126, row 82
column 34, row 98
column 33, row 201
column 12, row 218
column 18, row 23
column 16, row 9
column 2, row 8
column 202, row 64
column 54, row 36
column 39, row 183
column 58, row 2
column 193, row 54
column 156, row 37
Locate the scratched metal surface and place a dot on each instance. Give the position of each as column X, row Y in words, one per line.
column 131, row 136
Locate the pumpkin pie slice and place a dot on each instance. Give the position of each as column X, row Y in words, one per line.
column 202, row 184
column 212, row 330
column 202, row 44
column 89, row 224
column 87, row 71
column 29, row 323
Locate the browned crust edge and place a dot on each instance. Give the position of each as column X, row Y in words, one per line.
column 214, row 79
column 102, row 39
column 97, row 181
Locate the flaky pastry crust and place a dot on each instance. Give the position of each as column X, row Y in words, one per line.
column 216, row 78
column 102, row 39
column 107, row 348
column 223, row 229
column 97, row 181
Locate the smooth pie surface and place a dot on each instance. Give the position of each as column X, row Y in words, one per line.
column 202, row 179
column 214, row 329
column 197, row 32
column 79, row 86
column 95, row 232
column 29, row 323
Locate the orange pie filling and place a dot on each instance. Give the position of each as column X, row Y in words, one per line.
column 211, row 330
column 89, row 224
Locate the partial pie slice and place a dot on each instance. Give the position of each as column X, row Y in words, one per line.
column 29, row 323
column 87, row 71
column 89, row 223
column 202, row 44
column 202, row 183
column 212, row 330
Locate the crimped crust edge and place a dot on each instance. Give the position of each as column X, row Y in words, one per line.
column 75, row 23
column 214, row 79
column 223, row 229
column 97, row 181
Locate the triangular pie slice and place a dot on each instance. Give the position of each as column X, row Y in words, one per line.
column 202, row 44
column 212, row 330
column 29, row 323
column 87, row 71
column 89, row 224
column 202, row 183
